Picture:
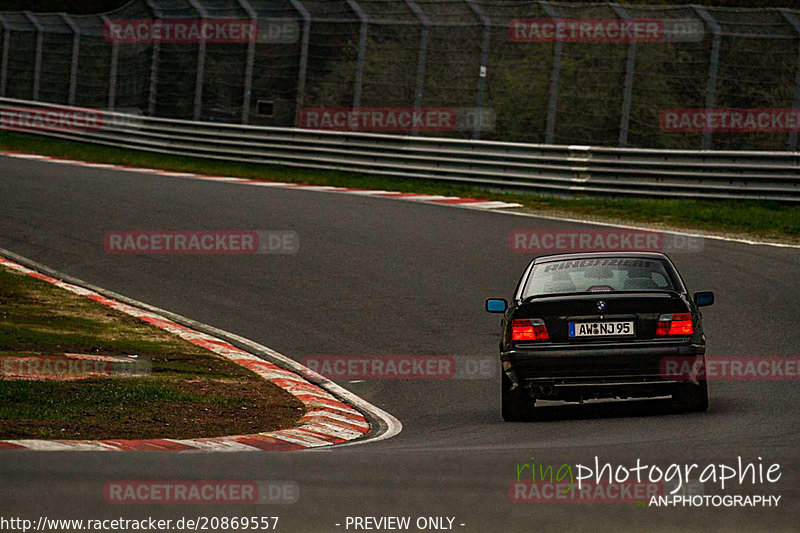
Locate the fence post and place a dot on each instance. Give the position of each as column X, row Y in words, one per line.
column 713, row 66
column 792, row 19
column 201, row 64
column 362, row 52
column 303, row 68
column 248, row 69
column 155, row 65
column 76, row 48
column 627, row 88
column 4, row 63
column 37, row 66
column 112, row 75
column 555, row 80
column 484, row 72
column 423, row 53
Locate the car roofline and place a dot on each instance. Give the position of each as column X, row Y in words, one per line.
column 596, row 255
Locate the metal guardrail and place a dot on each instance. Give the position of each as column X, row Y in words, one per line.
column 535, row 167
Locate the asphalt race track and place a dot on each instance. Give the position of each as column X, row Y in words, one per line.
column 382, row 277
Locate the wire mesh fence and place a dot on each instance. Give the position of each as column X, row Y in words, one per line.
column 541, row 72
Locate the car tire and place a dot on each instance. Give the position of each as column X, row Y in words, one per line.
column 691, row 397
column 516, row 405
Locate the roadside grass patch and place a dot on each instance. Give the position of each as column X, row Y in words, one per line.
column 189, row 393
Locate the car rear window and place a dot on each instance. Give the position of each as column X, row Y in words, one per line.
column 598, row 275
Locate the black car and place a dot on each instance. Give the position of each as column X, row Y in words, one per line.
column 599, row 325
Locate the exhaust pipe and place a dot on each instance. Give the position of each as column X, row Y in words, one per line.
column 542, row 391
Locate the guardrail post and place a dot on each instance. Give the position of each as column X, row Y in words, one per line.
column 248, row 69
column 362, row 52
column 76, row 50
column 627, row 88
column 555, row 80
column 112, row 76
column 423, row 54
column 484, row 72
column 201, row 64
column 713, row 66
column 792, row 19
column 303, row 68
column 155, row 65
column 37, row 66
column 4, row 61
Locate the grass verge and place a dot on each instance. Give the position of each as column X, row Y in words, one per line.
column 736, row 218
column 188, row 392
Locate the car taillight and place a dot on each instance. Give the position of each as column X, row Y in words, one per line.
column 529, row 329
column 674, row 324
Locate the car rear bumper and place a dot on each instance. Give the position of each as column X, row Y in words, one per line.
column 573, row 373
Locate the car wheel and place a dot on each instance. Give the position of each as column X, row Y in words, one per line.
column 516, row 405
column 691, row 397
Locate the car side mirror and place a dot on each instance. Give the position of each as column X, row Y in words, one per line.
column 496, row 305
column 704, row 298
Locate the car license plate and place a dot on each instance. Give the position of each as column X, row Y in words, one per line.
column 600, row 329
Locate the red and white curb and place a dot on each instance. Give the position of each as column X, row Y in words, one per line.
column 328, row 420
column 471, row 203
